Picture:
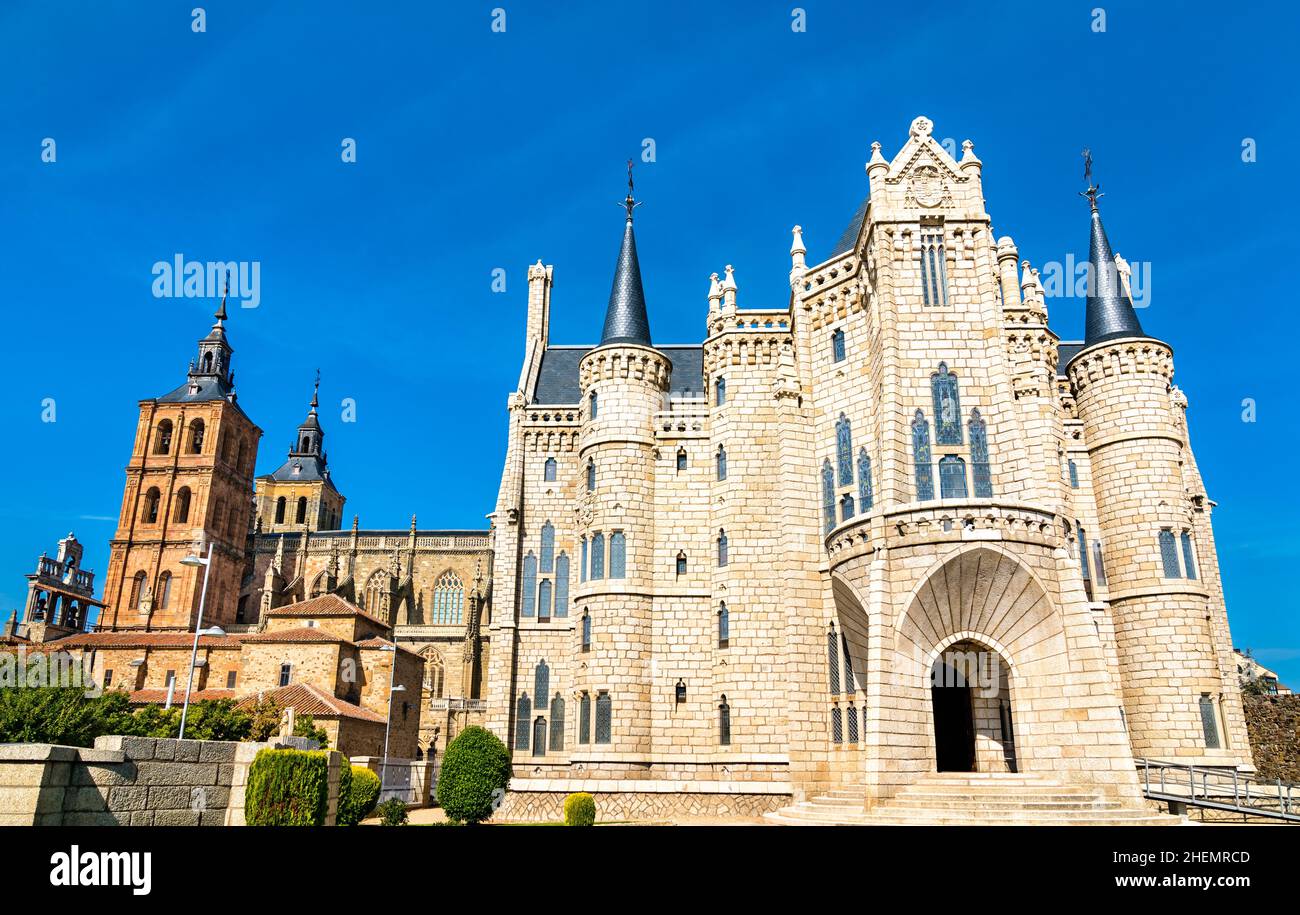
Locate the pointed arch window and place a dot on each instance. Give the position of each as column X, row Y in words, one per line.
column 594, row 405
column 866, row 498
column 681, row 459
column 681, row 562
column 163, row 438
column 921, row 457
column 1189, row 564
column 722, row 547
column 548, row 548
column 720, row 391
column 544, row 599
column 849, row 683
column 586, row 632
column 724, row 722
column 934, row 269
column 724, row 625
column 851, row 716
column 828, row 495
column 448, row 599
column 604, row 717
column 584, row 718
column 833, row 659
column 1209, row 722
column 591, row 475
column 557, row 723
column 279, row 510
column 548, row 471
column 617, row 555
column 542, row 680
column 837, row 725
column 844, row 450
column 947, row 406
column 182, row 513
column 837, row 345
column 562, row 585
column 1169, row 554
column 376, row 591
column 981, row 475
column 529, row 585
column 164, row 590
column 433, row 672
column 952, row 477
column 722, row 463
column 1074, row 475
column 301, row 515
column 597, row 556
column 846, row 507
column 523, row 714
column 539, row 736
column 582, row 564
column 138, row 590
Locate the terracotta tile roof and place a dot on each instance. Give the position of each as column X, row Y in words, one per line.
column 325, row 605
column 376, row 643
column 306, row 699
column 141, row 639
column 297, row 634
column 159, row 696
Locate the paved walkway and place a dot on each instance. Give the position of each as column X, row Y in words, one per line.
column 429, row 816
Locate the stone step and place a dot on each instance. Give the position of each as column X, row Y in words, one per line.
column 1006, row 804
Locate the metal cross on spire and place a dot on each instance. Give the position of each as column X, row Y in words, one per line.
column 1092, row 192
column 221, row 311
column 630, row 204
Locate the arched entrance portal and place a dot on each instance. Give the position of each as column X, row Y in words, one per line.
column 970, row 699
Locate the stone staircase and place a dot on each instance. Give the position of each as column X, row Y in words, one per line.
column 974, row 799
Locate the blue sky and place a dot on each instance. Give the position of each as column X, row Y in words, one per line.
column 479, row 150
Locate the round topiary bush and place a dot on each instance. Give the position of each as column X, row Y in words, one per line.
column 580, row 810
column 358, row 792
column 475, row 772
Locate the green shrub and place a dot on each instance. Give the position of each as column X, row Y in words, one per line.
column 62, row 715
column 304, row 726
column 356, row 803
column 392, row 812
column 344, row 811
column 288, row 788
column 475, row 772
column 580, row 810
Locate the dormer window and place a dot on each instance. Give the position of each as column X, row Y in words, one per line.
column 297, row 468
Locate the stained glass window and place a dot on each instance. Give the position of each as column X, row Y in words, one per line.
column 979, row 457
column 947, row 406
column 1074, row 475
column 544, row 599
column 844, row 450
column 1209, row 723
column 542, row 682
column 591, row 475
column 722, row 463
column 597, row 556
column 921, row 458
column 722, row 548
column 548, row 547
column 846, row 507
column 720, row 391
column 828, row 494
column 617, row 555
column 866, row 498
column 448, row 598
column 604, row 717
column 837, row 345
column 586, row 632
column 1188, row 562
column 557, row 723
column 562, row 585
column 539, row 737
column 523, row 716
column 934, row 270
column 952, row 477
column 1169, row 554
column 548, row 471
column 584, row 718
column 529, row 586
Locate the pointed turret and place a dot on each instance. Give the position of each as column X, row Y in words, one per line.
column 1110, row 313
column 625, row 318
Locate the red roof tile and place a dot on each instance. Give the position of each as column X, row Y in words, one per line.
column 159, row 696
column 306, row 699
column 141, row 639
column 297, row 634
column 325, row 605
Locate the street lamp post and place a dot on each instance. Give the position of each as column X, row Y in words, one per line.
column 388, row 726
column 195, row 561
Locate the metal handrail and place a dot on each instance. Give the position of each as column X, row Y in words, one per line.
column 1231, row 790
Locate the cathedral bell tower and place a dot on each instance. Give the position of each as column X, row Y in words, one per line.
column 300, row 495
column 189, row 483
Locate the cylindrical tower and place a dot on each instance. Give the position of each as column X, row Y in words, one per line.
column 1165, row 640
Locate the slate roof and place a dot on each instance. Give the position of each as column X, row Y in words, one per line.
column 557, row 379
column 849, row 236
column 211, row 387
column 626, row 320
column 313, row 471
column 1066, row 350
column 1110, row 314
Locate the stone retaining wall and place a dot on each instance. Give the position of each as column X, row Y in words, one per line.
column 620, row 806
column 1273, row 723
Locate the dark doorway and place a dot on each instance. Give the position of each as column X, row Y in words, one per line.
column 954, row 730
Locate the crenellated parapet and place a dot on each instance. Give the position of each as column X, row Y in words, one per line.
column 625, row 362
column 1122, row 357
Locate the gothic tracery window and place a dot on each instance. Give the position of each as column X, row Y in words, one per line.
column 562, row 585
column 448, row 599
column 828, row 495
column 934, row 269
column 617, row 555
column 844, row 450
column 548, row 547
column 865, row 495
column 981, row 473
column 528, row 585
column 947, row 406
column 921, row 457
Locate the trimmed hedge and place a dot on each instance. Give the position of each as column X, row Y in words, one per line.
column 288, row 788
column 475, row 772
column 580, row 810
column 356, row 802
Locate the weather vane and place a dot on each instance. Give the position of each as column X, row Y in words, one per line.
column 1092, row 192
column 629, row 204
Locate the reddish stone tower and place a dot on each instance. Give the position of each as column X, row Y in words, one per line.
column 189, row 483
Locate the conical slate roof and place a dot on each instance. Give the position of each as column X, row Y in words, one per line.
column 1110, row 314
column 625, row 318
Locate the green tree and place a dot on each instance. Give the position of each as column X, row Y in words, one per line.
column 475, row 772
